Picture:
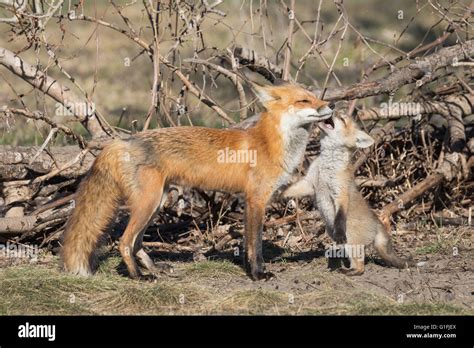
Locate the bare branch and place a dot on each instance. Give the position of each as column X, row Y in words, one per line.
column 289, row 42
column 425, row 68
column 53, row 88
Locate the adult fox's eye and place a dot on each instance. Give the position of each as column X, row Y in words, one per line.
column 304, row 101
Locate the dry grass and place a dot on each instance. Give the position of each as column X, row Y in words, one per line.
column 209, row 287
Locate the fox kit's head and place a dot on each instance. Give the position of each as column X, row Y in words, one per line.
column 295, row 105
column 339, row 131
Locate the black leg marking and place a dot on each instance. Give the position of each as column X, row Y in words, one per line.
column 340, row 227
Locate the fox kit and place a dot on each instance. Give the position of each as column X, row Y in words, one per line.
column 344, row 210
column 139, row 170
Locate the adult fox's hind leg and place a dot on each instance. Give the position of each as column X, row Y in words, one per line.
column 142, row 257
column 143, row 202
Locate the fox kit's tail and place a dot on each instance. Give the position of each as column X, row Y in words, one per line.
column 96, row 201
column 384, row 247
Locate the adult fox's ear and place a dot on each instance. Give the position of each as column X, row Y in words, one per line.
column 263, row 93
column 363, row 140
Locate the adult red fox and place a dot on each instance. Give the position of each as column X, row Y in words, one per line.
column 346, row 214
column 139, row 170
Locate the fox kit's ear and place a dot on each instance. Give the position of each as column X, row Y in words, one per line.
column 263, row 93
column 363, row 140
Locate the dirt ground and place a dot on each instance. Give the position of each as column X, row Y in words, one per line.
column 303, row 284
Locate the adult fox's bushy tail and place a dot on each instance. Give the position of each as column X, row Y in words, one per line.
column 139, row 169
column 96, row 201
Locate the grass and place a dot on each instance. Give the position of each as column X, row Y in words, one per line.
column 253, row 302
column 413, row 309
column 444, row 241
column 209, row 287
column 214, row 269
column 433, row 248
column 41, row 290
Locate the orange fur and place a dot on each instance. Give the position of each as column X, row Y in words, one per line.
column 139, row 169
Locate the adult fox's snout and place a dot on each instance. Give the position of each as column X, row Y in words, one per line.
column 325, row 112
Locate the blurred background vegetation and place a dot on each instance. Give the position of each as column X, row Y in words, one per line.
column 97, row 57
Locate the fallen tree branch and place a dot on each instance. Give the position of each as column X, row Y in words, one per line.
column 464, row 103
column 15, row 161
column 454, row 108
column 399, row 203
column 424, row 68
column 33, row 223
column 49, row 175
column 168, row 246
column 311, row 215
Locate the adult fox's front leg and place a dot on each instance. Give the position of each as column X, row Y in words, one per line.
column 254, row 219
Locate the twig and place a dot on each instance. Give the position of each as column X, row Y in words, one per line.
column 37, row 115
column 289, row 41
column 52, row 132
column 258, row 63
column 333, row 61
column 232, row 76
column 189, row 85
column 168, row 246
column 156, row 69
